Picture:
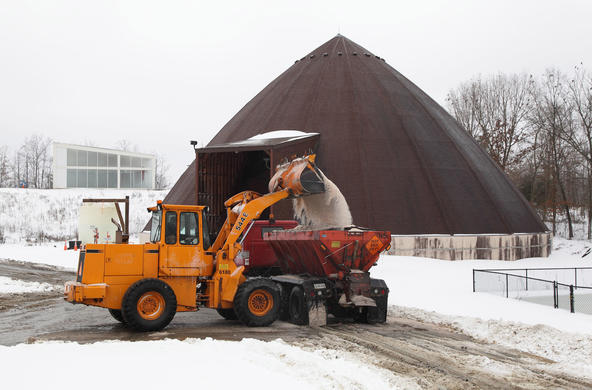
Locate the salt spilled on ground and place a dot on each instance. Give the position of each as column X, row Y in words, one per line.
column 12, row 286
column 211, row 363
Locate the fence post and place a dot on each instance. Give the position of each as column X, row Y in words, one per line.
column 473, row 280
column 576, row 277
column 526, row 279
column 555, row 295
column 507, row 295
column 571, row 299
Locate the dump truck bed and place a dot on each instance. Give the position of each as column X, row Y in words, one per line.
column 327, row 252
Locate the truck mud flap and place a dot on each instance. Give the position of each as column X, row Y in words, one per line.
column 317, row 314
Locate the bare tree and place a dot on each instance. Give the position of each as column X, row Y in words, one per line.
column 579, row 134
column 5, row 167
column 161, row 172
column 552, row 116
column 493, row 111
column 126, row 145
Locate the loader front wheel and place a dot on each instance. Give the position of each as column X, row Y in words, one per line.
column 149, row 305
column 257, row 302
column 115, row 313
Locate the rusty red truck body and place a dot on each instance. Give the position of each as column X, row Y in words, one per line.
column 327, row 272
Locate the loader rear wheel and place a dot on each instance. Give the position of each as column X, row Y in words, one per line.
column 149, row 305
column 297, row 307
column 115, row 313
column 227, row 314
column 257, row 302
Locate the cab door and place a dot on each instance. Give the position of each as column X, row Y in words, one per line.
column 182, row 251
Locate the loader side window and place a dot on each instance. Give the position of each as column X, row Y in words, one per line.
column 155, row 227
column 170, row 227
column 188, row 229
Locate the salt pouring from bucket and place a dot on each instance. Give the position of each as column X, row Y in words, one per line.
column 299, row 176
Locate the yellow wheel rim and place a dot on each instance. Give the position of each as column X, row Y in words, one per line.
column 151, row 305
column 260, row 302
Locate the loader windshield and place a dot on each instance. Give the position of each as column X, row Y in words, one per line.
column 155, row 227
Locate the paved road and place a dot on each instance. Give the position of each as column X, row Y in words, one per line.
column 432, row 355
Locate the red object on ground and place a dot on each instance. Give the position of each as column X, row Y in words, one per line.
column 327, row 252
column 75, row 245
column 65, row 245
column 256, row 252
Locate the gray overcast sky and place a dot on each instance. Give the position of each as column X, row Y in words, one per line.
column 160, row 73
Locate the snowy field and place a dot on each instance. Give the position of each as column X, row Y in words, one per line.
column 30, row 215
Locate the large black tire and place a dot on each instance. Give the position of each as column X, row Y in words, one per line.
column 257, row 302
column 374, row 315
column 116, row 313
column 227, row 314
column 284, row 302
column 297, row 306
column 156, row 301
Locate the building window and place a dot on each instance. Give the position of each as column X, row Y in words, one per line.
column 125, row 179
column 71, row 178
column 125, row 161
column 103, row 159
column 71, row 158
column 112, row 160
column 92, row 159
column 92, row 178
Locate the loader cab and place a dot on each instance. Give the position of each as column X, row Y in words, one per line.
column 182, row 236
column 182, row 225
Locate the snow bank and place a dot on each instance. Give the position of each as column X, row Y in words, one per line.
column 47, row 253
column 446, row 287
column 441, row 292
column 205, row 363
column 36, row 215
column 12, row 286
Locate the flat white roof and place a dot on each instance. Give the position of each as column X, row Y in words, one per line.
column 105, row 150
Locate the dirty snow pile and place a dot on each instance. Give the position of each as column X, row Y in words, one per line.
column 211, row 363
column 322, row 211
column 12, row 286
column 36, row 215
column 441, row 291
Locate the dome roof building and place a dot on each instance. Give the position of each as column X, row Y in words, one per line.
column 401, row 161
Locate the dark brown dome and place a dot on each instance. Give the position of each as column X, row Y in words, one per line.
column 402, row 162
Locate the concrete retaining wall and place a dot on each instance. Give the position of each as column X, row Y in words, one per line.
column 459, row 247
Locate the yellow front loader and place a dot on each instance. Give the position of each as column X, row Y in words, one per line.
column 144, row 285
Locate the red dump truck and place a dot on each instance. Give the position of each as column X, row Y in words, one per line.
column 326, row 272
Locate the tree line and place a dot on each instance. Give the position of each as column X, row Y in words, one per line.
column 27, row 166
column 30, row 164
column 539, row 131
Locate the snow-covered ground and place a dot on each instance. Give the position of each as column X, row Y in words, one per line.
column 12, row 286
column 442, row 292
column 207, row 364
column 31, row 215
column 420, row 288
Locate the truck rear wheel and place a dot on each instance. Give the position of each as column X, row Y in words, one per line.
column 115, row 313
column 297, row 307
column 257, row 302
column 149, row 305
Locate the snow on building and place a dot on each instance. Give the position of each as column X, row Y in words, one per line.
column 402, row 162
column 77, row 166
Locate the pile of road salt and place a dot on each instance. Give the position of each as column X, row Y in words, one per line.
column 328, row 210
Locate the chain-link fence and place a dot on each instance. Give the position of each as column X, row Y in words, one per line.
column 563, row 288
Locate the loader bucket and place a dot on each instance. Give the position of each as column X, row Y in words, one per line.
column 300, row 177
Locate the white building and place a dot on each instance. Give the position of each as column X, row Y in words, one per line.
column 90, row 167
